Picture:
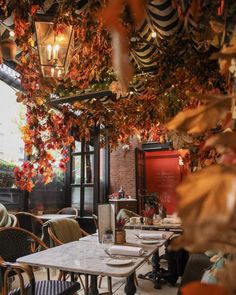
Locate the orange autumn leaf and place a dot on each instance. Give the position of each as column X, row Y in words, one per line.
column 202, row 118
column 222, row 140
column 138, row 10
column 121, row 63
column 226, row 276
column 209, row 97
column 110, row 16
column 197, row 288
column 208, row 209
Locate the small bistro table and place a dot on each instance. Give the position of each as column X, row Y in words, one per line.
column 45, row 217
column 87, row 256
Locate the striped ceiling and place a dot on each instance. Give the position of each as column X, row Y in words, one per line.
column 161, row 22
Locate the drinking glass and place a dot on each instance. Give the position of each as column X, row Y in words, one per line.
column 107, row 239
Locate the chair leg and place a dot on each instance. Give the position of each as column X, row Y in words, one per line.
column 48, row 274
column 135, row 279
column 81, row 281
column 100, row 282
column 109, row 283
column 60, row 275
column 86, row 289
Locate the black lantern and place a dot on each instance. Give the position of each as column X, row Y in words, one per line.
column 55, row 47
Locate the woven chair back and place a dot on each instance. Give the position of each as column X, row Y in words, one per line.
column 30, row 222
column 14, row 243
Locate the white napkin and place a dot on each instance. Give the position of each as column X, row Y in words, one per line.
column 171, row 220
column 126, row 250
column 151, row 236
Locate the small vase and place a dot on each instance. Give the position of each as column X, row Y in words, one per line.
column 147, row 221
column 120, row 237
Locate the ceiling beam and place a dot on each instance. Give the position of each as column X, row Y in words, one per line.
column 84, row 96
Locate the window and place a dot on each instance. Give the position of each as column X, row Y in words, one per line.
column 82, row 177
column 12, row 116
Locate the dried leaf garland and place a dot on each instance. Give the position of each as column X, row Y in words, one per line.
column 197, row 288
column 202, row 118
column 207, row 203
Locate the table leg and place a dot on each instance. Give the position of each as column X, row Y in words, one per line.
column 130, row 288
column 93, row 289
column 153, row 275
column 156, row 270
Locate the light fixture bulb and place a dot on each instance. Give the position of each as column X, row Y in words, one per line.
column 12, row 34
column 153, row 34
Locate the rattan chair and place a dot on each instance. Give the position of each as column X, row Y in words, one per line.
column 30, row 222
column 62, row 231
column 13, row 219
column 95, row 220
column 69, row 210
column 65, row 230
column 15, row 244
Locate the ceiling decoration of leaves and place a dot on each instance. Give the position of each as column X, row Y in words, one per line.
column 150, row 53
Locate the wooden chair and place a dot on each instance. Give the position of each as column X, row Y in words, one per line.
column 69, row 210
column 15, row 244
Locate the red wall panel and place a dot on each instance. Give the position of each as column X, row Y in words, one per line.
column 162, row 176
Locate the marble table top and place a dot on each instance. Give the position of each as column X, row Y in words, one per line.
column 54, row 216
column 88, row 256
column 131, row 237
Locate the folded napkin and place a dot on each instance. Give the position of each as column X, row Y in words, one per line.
column 126, row 250
column 171, row 220
column 152, row 236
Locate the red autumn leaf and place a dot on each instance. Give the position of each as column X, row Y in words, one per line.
column 34, row 9
column 197, row 288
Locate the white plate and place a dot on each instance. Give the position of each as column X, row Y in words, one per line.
column 150, row 241
column 118, row 262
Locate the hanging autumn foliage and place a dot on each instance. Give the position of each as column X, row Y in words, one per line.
column 180, row 69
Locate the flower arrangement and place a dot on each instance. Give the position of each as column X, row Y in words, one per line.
column 115, row 195
column 120, row 236
column 120, row 224
column 149, row 212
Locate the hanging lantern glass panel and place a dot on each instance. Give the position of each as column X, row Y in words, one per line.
column 55, row 47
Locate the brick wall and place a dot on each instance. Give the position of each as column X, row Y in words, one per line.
column 122, row 168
